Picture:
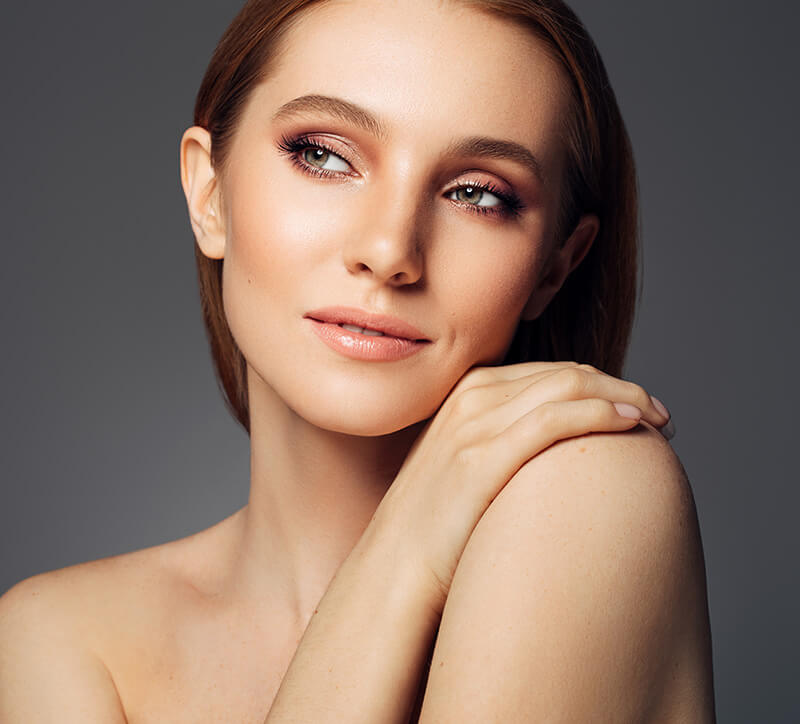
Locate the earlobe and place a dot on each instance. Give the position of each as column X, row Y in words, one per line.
column 562, row 262
column 202, row 192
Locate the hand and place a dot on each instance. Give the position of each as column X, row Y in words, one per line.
column 493, row 421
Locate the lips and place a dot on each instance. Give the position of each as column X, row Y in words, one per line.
column 390, row 326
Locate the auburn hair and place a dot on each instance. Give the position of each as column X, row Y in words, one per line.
column 591, row 317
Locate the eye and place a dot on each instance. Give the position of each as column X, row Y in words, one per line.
column 319, row 156
column 486, row 199
column 474, row 195
column 313, row 156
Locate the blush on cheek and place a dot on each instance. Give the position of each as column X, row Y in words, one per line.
column 492, row 306
column 499, row 286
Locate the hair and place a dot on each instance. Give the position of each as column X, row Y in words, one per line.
column 590, row 319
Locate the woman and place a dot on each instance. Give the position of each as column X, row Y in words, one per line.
column 407, row 215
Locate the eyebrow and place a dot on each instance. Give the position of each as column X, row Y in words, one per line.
column 362, row 118
column 337, row 107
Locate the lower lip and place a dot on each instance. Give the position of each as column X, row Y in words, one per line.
column 365, row 347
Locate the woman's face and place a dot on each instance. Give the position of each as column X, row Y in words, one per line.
column 324, row 207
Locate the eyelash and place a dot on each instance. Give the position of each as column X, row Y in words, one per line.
column 510, row 205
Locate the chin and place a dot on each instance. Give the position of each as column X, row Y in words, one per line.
column 351, row 404
column 364, row 423
column 365, row 417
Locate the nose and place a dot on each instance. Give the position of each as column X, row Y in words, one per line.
column 388, row 244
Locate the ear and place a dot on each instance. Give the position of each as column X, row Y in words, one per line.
column 561, row 263
column 202, row 192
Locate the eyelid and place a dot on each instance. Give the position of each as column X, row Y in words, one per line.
column 292, row 145
column 510, row 204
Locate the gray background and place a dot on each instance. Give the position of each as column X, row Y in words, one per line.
column 114, row 436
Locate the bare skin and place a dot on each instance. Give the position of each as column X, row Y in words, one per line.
column 205, row 628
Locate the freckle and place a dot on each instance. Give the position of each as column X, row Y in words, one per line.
column 441, row 663
column 583, row 449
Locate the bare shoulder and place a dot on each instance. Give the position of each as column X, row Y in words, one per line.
column 52, row 628
column 634, row 476
column 623, row 496
column 61, row 632
column 86, row 593
column 585, row 577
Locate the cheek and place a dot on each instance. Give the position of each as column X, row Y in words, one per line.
column 268, row 229
column 264, row 249
column 273, row 241
column 488, row 293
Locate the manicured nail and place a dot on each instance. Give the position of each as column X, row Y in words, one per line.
column 626, row 410
column 660, row 406
column 668, row 431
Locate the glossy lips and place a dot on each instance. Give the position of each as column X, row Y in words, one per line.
column 400, row 339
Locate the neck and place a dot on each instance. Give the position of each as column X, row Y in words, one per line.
column 312, row 495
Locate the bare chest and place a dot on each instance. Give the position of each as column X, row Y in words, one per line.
column 204, row 671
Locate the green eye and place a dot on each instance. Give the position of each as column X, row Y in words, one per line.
column 318, row 156
column 474, row 195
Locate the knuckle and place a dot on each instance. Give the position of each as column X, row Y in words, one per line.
column 479, row 375
column 587, row 367
column 639, row 396
column 573, row 381
column 468, row 432
column 602, row 409
column 467, row 456
column 466, row 402
column 474, row 377
column 548, row 414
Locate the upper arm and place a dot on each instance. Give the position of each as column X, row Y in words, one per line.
column 577, row 592
column 48, row 672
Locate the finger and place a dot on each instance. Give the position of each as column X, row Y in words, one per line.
column 478, row 376
column 577, row 381
column 489, row 387
column 552, row 421
column 473, row 403
column 574, row 384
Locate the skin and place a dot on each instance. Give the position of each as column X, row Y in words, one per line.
column 328, row 434
column 220, row 614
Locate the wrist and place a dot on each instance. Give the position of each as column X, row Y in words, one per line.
column 387, row 550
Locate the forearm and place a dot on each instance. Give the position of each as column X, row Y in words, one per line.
column 363, row 652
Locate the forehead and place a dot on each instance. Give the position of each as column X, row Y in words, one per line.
column 437, row 70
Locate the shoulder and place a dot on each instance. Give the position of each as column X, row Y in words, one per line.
column 81, row 603
column 632, row 479
column 585, row 578
column 613, row 499
column 50, row 632
column 88, row 593
column 67, row 633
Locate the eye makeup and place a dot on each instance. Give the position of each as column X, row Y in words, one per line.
column 295, row 147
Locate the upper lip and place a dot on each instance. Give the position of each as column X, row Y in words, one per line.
column 361, row 318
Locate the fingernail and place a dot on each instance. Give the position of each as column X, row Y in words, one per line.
column 626, row 410
column 660, row 406
column 668, row 431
